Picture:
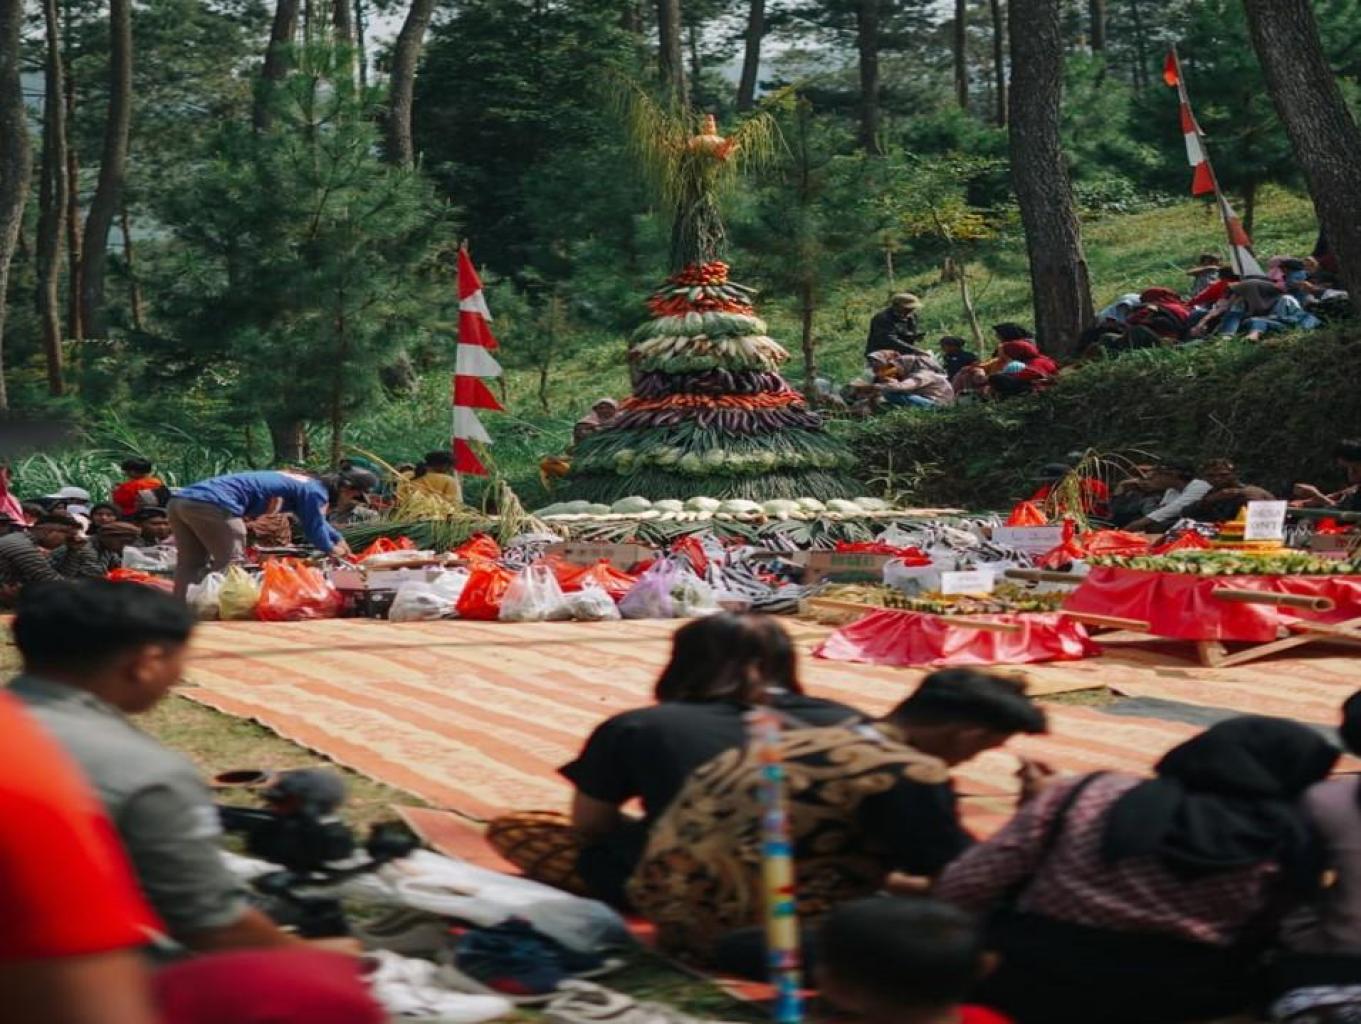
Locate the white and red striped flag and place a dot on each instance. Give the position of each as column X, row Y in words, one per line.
column 1204, row 182
column 473, row 362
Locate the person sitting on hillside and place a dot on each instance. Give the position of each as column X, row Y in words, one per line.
column 1035, row 370
column 894, row 329
column 604, row 410
column 1176, row 489
column 54, row 548
column 954, row 356
column 1262, row 306
column 1160, row 319
column 435, row 474
column 720, row 666
column 1135, row 900
column 1135, row 496
column 1347, row 455
column 1209, row 305
column 154, row 526
column 914, row 379
column 1204, row 273
column 1228, row 494
column 1110, row 323
column 902, row 961
column 871, row 800
column 138, row 490
column 103, row 514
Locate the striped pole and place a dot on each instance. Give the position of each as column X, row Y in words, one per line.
column 777, row 869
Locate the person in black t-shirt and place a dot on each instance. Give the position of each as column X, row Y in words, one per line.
column 720, row 666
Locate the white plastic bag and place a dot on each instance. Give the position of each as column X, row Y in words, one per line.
column 158, row 559
column 911, row 579
column 204, row 598
column 418, row 602
column 592, row 604
column 449, row 584
column 534, row 596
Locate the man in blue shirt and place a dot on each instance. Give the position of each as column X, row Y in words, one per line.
column 208, row 518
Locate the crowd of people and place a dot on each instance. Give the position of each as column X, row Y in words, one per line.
column 1294, row 293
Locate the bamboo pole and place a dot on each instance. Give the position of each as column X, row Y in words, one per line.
column 1108, row 621
column 1307, row 601
column 1324, row 513
column 964, row 621
column 1043, row 576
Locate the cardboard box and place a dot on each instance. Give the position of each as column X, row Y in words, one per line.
column 842, row 566
column 622, row 556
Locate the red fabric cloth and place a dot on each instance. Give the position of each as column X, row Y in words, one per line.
column 981, row 1015
column 1036, row 365
column 66, row 887
column 268, row 986
column 125, row 494
column 913, row 638
column 1181, row 606
column 1211, row 293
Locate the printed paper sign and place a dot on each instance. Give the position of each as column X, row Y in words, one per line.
column 1035, row 540
column 1266, row 521
column 975, row 581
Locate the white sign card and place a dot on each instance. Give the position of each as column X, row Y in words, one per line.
column 974, row 581
column 1266, row 521
column 1035, row 540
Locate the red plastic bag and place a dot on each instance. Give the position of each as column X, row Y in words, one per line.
column 383, row 545
column 121, row 575
column 1191, row 541
column 1114, row 542
column 481, row 597
column 692, row 549
column 479, row 545
column 573, row 578
column 908, row 556
column 293, row 592
column 1329, row 527
column 1068, row 551
column 1027, row 513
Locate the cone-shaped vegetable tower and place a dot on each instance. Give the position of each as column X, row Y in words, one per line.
column 710, row 414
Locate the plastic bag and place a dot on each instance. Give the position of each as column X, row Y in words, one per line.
column 449, row 585
column 1027, row 513
column 158, row 559
column 910, row 555
column 419, row 602
column 1114, row 542
column 602, row 575
column 137, row 576
column 239, row 594
column 650, row 597
column 479, row 545
column 690, row 548
column 534, row 596
column 293, row 592
column 385, row 545
column 481, row 597
column 204, row 598
column 591, row 604
column 911, row 578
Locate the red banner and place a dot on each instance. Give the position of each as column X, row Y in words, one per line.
column 917, row 639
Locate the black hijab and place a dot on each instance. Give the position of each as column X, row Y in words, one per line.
column 1225, row 799
column 1011, row 332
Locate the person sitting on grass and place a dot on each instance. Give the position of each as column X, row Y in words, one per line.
column 1175, row 489
column 1347, row 455
column 720, row 666
column 913, row 380
column 1128, row 900
column 902, row 961
column 1261, row 306
column 870, row 801
column 604, row 410
column 133, row 642
column 1027, row 371
column 138, row 490
column 954, row 355
column 54, row 548
column 435, row 474
column 110, row 540
column 1228, row 494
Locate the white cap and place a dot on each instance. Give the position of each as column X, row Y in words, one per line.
column 71, row 494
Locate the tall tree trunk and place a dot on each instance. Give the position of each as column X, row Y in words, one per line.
column 75, row 328
column 281, row 35
column 361, row 43
column 670, row 53
column 1136, row 13
column 16, row 158
column 867, row 46
column 999, row 60
column 751, row 54
column 1097, row 9
column 130, row 264
column 807, row 307
column 631, row 18
column 402, row 82
column 112, row 169
column 288, row 437
column 961, row 48
column 1324, row 133
column 342, row 20
column 52, row 200
column 696, row 64
column 1058, row 269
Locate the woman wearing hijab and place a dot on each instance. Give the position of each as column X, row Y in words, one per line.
column 1138, row 901
column 601, row 413
column 912, row 379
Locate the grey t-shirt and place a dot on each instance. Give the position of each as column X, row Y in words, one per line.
column 161, row 807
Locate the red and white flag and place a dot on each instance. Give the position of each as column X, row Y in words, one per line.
column 473, row 362
column 1203, row 180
